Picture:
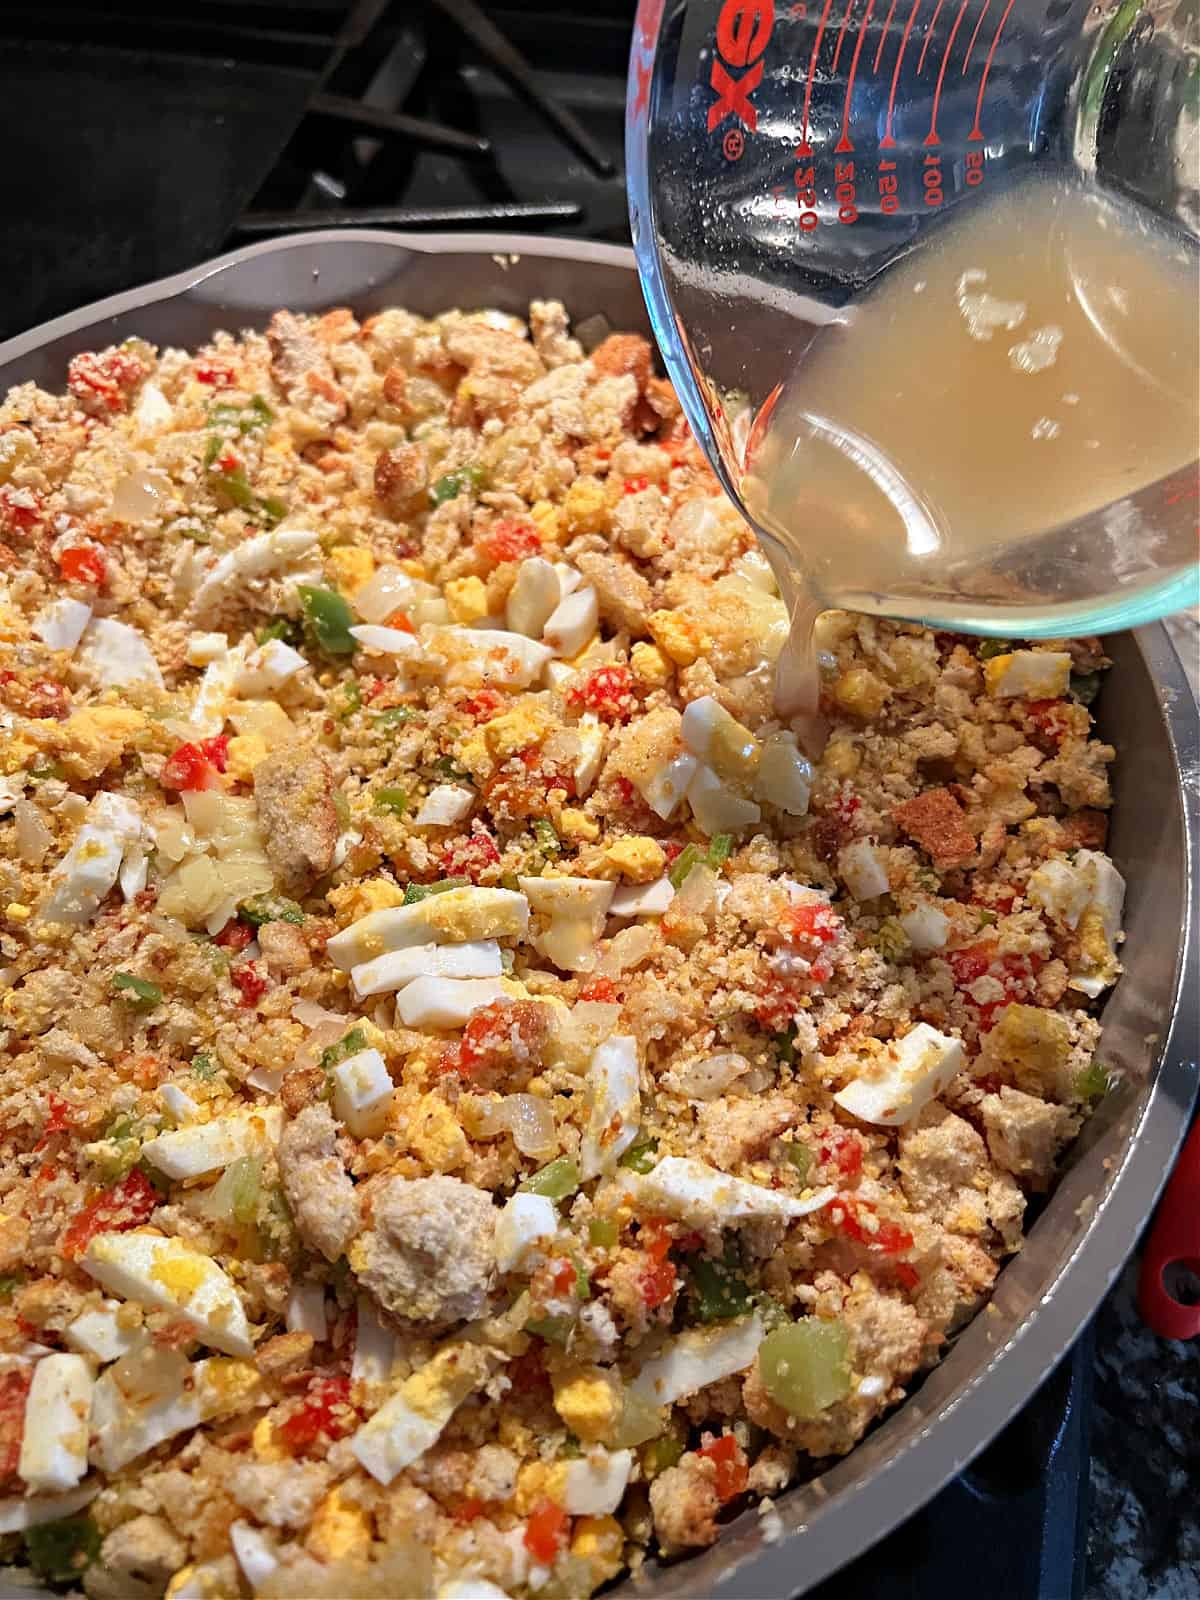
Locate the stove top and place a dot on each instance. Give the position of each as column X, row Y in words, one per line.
column 140, row 140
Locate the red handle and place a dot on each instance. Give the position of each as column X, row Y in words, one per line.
column 1174, row 1240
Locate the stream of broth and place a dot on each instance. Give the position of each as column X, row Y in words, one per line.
column 1035, row 362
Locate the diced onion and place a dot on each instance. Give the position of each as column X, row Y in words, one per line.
column 532, row 1123
column 33, row 836
column 139, row 495
column 388, row 591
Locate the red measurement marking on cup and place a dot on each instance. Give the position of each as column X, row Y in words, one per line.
column 844, row 145
column 929, row 31
column 883, row 36
column 804, row 148
column 932, row 136
column 976, row 132
column 887, row 142
column 974, row 36
column 837, row 49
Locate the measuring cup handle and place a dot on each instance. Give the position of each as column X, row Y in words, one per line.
column 1174, row 1240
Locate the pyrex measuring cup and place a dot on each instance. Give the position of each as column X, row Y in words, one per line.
column 783, row 154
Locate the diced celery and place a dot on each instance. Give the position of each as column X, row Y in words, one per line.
column 452, row 484
column 548, row 841
column 805, row 1367
column 801, row 1157
column 391, row 799
column 691, row 855
column 640, row 1157
column 1093, row 1083
column 640, row 1420
column 282, row 628
column 719, row 850
column 991, row 648
column 422, row 891
column 663, row 1452
column 603, row 1232
column 555, row 1330
column 556, row 1181
column 140, row 991
column 262, row 908
column 718, row 1291
column 348, row 1045
column 393, row 716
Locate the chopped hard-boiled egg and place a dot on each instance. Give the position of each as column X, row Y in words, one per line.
column 99, row 1334
column 862, row 869
column 54, row 1444
column 90, row 868
column 784, row 777
column 697, row 1358
column 383, row 641
column 894, row 1085
column 642, row 899
column 592, row 738
column 205, row 648
column 445, row 1002
column 533, row 597
column 362, row 1093
column 593, row 1484
column 1035, row 674
column 405, row 1427
column 267, row 668
column 927, row 927
column 719, row 740
column 459, row 916
column 161, row 1272
column 695, row 1192
column 211, row 705
column 20, row 1512
column 471, row 1589
column 374, row 1346
column 667, row 787
column 202, row 1147
column 306, row 1310
column 480, row 958
column 572, row 622
column 60, row 626
column 138, row 1404
column 444, row 806
column 255, row 1553
column 508, row 660
column 180, row 1106
column 1087, row 895
column 253, row 558
column 117, row 655
column 716, row 806
column 575, row 909
column 525, row 1219
column 614, row 1111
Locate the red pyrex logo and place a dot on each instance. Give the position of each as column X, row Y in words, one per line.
column 743, row 29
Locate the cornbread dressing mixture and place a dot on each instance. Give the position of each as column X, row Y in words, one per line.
column 480, row 1105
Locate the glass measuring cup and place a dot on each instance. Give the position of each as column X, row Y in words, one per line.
column 784, row 155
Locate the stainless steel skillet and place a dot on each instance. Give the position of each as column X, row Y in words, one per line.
column 1077, row 1247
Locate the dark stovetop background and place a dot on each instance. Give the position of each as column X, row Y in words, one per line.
column 140, row 140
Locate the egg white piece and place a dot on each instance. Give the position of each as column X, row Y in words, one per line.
column 90, row 868
column 253, row 558
column 267, row 668
column 202, row 1147
column 695, row 1192
column 908, row 1074
column 362, row 1093
column 572, row 622
column 446, row 1002
column 161, row 1272
column 524, row 1221
column 490, row 914
column 117, row 654
column 595, row 1482
column 405, row 1427
column 19, row 1513
column 926, row 926
column 306, row 1311
column 642, row 899
column 60, row 626
column 54, row 1445
column 697, row 1358
column 255, row 1553
column 374, row 1346
column 99, row 1334
column 445, row 805
column 615, row 1108
column 471, row 1589
column 480, row 958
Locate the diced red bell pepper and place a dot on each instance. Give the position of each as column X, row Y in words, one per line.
column 484, row 703
column 657, row 1283
column 635, row 485
column 104, row 382
column 546, row 1531
column 247, row 978
column 126, row 1205
column 509, row 540
column 468, row 858
column 733, row 1470
column 193, row 767
column 1050, row 718
column 20, row 510
column 235, row 936
column 563, row 1276
column 878, row 1233
column 602, row 989
column 845, row 1152
column 813, row 923
column 81, row 564
column 608, row 691
column 402, row 621
column 14, row 1391
column 326, row 1410
column 59, row 1120
column 214, row 373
